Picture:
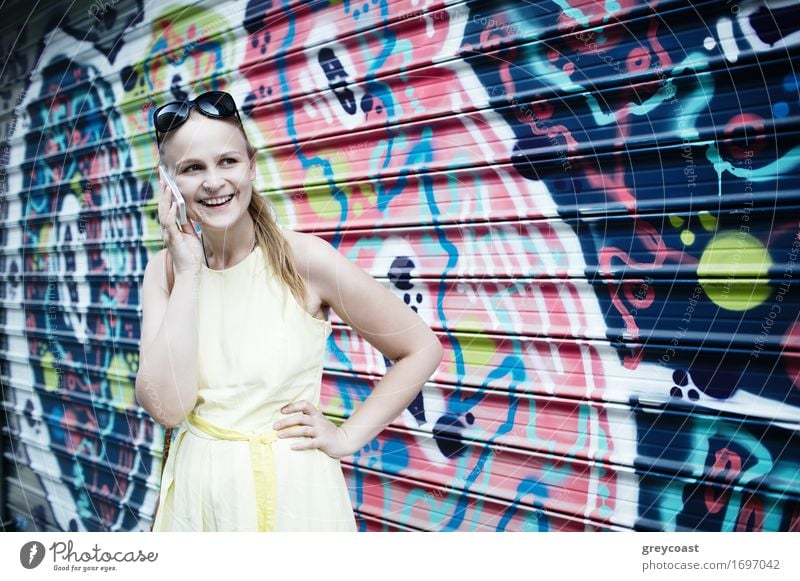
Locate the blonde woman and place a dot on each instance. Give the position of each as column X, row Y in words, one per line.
column 233, row 338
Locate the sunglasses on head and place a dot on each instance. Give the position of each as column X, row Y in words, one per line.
column 214, row 104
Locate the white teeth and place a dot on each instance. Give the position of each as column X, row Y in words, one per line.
column 217, row 203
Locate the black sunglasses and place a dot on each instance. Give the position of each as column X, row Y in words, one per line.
column 214, row 104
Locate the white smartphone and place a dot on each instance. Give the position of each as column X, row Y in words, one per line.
column 176, row 193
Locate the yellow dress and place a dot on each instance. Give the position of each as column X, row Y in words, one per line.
column 226, row 471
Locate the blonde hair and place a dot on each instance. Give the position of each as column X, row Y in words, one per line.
column 274, row 246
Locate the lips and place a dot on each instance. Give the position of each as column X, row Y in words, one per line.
column 216, row 202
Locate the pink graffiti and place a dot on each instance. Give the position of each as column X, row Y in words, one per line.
column 727, row 464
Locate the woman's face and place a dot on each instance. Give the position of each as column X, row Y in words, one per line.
column 208, row 159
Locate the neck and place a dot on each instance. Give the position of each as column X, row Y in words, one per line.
column 229, row 246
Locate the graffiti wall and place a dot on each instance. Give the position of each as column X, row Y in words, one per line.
column 594, row 204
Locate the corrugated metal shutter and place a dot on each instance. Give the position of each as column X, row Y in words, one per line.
column 593, row 203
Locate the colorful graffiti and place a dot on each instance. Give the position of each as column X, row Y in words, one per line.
column 590, row 202
column 676, row 160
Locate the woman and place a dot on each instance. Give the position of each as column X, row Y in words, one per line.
column 234, row 354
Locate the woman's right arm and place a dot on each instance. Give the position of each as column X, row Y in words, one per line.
column 166, row 382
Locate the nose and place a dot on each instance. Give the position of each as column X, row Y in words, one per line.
column 213, row 181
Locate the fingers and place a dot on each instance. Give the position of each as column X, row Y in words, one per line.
column 190, row 228
column 169, row 227
column 300, row 406
column 165, row 193
column 302, row 424
column 305, row 409
column 310, row 445
column 297, row 432
column 164, row 202
column 299, row 418
column 167, row 213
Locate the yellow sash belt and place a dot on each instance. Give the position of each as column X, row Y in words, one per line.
column 263, row 461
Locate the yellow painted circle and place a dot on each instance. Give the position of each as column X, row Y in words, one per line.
column 733, row 271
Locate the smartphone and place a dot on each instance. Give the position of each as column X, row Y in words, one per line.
column 176, row 193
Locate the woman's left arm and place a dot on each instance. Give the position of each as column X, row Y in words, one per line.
column 389, row 325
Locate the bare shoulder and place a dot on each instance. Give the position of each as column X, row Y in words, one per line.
column 316, row 257
column 301, row 245
column 154, row 297
column 154, row 272
column 364, row 304
column 309, row 251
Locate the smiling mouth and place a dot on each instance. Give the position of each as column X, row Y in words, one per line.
column 217, row 202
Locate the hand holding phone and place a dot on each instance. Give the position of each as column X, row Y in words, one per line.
column 176, row 193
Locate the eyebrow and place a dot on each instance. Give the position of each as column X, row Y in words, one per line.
column 188, row 159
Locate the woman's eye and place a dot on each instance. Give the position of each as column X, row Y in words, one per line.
column 195, row 166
